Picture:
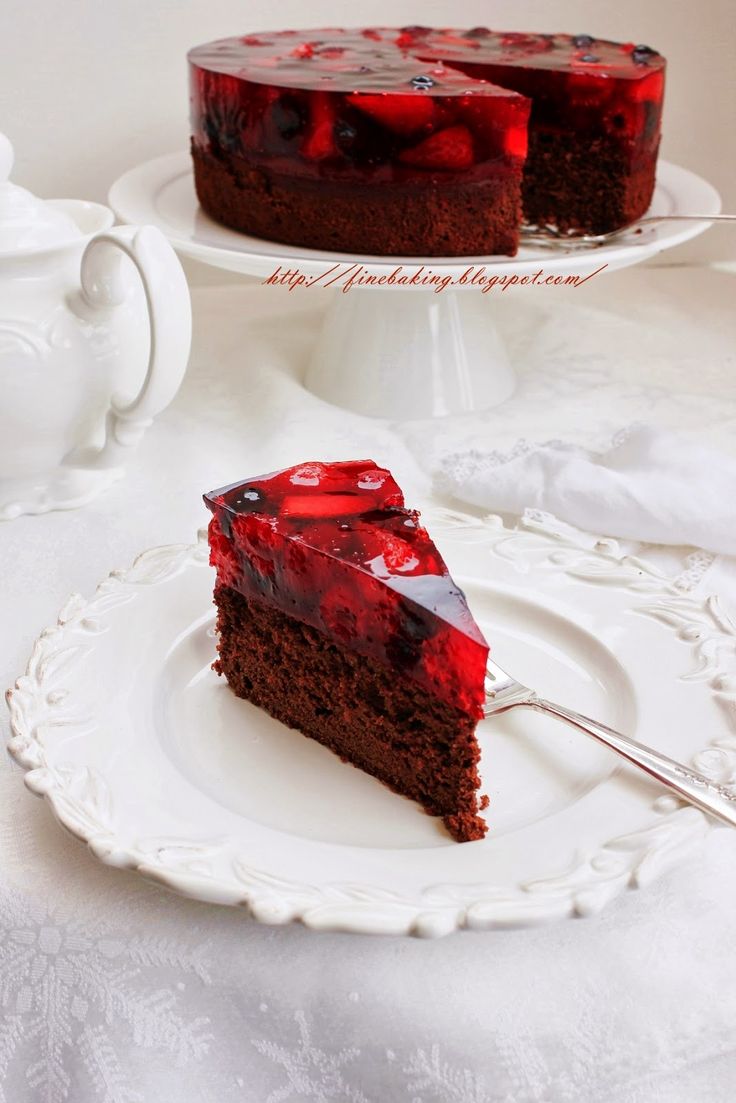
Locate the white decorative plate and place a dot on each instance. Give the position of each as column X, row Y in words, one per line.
column 142, row 752
column 161, row 192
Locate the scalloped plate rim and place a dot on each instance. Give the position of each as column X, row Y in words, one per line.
column 439, row 909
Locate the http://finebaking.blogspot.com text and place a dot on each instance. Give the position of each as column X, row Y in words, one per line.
column 479, row 276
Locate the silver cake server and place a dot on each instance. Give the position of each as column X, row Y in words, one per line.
column 503, row 692
column 549, row 237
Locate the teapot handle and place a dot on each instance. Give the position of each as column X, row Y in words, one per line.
column 170, row 321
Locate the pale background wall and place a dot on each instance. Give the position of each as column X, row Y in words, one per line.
column 89, row 88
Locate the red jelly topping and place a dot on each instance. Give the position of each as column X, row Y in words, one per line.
column 576, row 82
column 333, row 545
column 388, row 104
column 347, row 104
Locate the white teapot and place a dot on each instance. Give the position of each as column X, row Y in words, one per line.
column 90, row 352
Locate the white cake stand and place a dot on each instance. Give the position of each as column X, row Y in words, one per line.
column 400, row 351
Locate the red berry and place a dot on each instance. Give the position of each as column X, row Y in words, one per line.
column 319, row 141
column 398, row 554
column 447, row 149
column 322, row 505
column 516, row 141
column 402, row 113
column 340, row 613
column 309, row 474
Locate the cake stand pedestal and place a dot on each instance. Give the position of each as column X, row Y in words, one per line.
column 410, row 353
column 392, row 350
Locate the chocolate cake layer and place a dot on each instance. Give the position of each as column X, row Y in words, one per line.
column 436, row 219
column 584, row 184
column 419, row 746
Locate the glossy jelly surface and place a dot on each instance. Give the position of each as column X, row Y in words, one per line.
column 577, row 84
column 409, row 103
column 351, row 103
column 333, row 545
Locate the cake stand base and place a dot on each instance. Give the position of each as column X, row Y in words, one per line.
column 410, row 353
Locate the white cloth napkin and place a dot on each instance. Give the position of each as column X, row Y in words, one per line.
column 650, row 485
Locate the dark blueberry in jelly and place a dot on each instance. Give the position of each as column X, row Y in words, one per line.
column 362, row 139
column 288, row 119
column 210, row 128
column 403, row 652
column 583, row 40
column 590, row 59
column 224, row 127
column 422, row 81
column 642, row 54
column 414, row 628
column 478, row 32
column 345, row 135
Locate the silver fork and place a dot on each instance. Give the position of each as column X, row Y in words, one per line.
column 548, row 237
column 503, row 692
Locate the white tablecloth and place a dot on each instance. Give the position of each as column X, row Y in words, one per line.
column 113, row 991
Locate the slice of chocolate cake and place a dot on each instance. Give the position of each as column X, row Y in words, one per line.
column 337, row 615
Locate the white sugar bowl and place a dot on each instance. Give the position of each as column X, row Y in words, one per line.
column 95, row 332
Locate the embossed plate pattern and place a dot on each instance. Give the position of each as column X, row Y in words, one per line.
column 142, row 752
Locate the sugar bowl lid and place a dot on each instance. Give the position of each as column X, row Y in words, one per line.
column 27, row 222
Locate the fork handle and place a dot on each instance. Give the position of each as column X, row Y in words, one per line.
column 710, row 796
column 687, row 218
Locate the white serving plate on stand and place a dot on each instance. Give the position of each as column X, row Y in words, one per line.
column 400, row 352
column 143, row 753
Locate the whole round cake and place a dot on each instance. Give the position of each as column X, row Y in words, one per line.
column 420, row 141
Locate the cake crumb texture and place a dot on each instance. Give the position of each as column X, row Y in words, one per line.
column 421, row 747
